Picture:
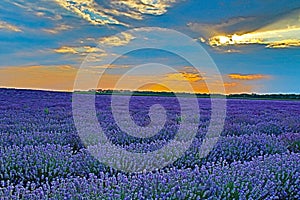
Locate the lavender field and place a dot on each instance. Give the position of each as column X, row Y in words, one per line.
column 42, row 156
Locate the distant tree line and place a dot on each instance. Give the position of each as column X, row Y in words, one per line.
column 171, row 94
column 200, row 95
column 265, row 96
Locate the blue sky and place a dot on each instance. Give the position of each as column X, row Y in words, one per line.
column 254, row 44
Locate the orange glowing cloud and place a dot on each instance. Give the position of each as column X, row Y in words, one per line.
column 186, row 74
column 183, row 77
column 248, row 76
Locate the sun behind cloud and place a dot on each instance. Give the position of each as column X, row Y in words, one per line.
column 282, row 33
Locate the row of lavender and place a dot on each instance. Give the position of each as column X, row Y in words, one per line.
column 41, row 155
column 272, row 177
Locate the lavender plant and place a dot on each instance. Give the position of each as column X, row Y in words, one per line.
column 42, row 156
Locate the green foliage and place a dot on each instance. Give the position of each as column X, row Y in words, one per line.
column 46, row 111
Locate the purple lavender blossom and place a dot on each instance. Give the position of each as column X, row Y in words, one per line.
column 42, row 157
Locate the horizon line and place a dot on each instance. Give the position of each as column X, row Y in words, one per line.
column 178, row 92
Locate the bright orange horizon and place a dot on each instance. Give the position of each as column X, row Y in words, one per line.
column 62, row 78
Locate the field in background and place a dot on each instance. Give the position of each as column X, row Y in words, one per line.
column 41, row 155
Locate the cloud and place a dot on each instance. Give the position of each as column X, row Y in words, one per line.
column 47, row 15
column 113, row 40
column 57, row 29
column 106, row 12
column 42, row 8
column 285, row 37
column 284, row 43
column 9, row 27
column 89, row 10
column 117, row 40
column 227, row 50
column 187, row 73
column 248, row 77
column 282, row 33
column 77, row 49
column 208, row 30
column 144, row 6
column 183, row 77
column 111, row 10
column 92, row 55
column 110, row 66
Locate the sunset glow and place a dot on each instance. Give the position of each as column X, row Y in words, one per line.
column 45, row 44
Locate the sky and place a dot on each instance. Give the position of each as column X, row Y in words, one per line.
column 254, row 45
